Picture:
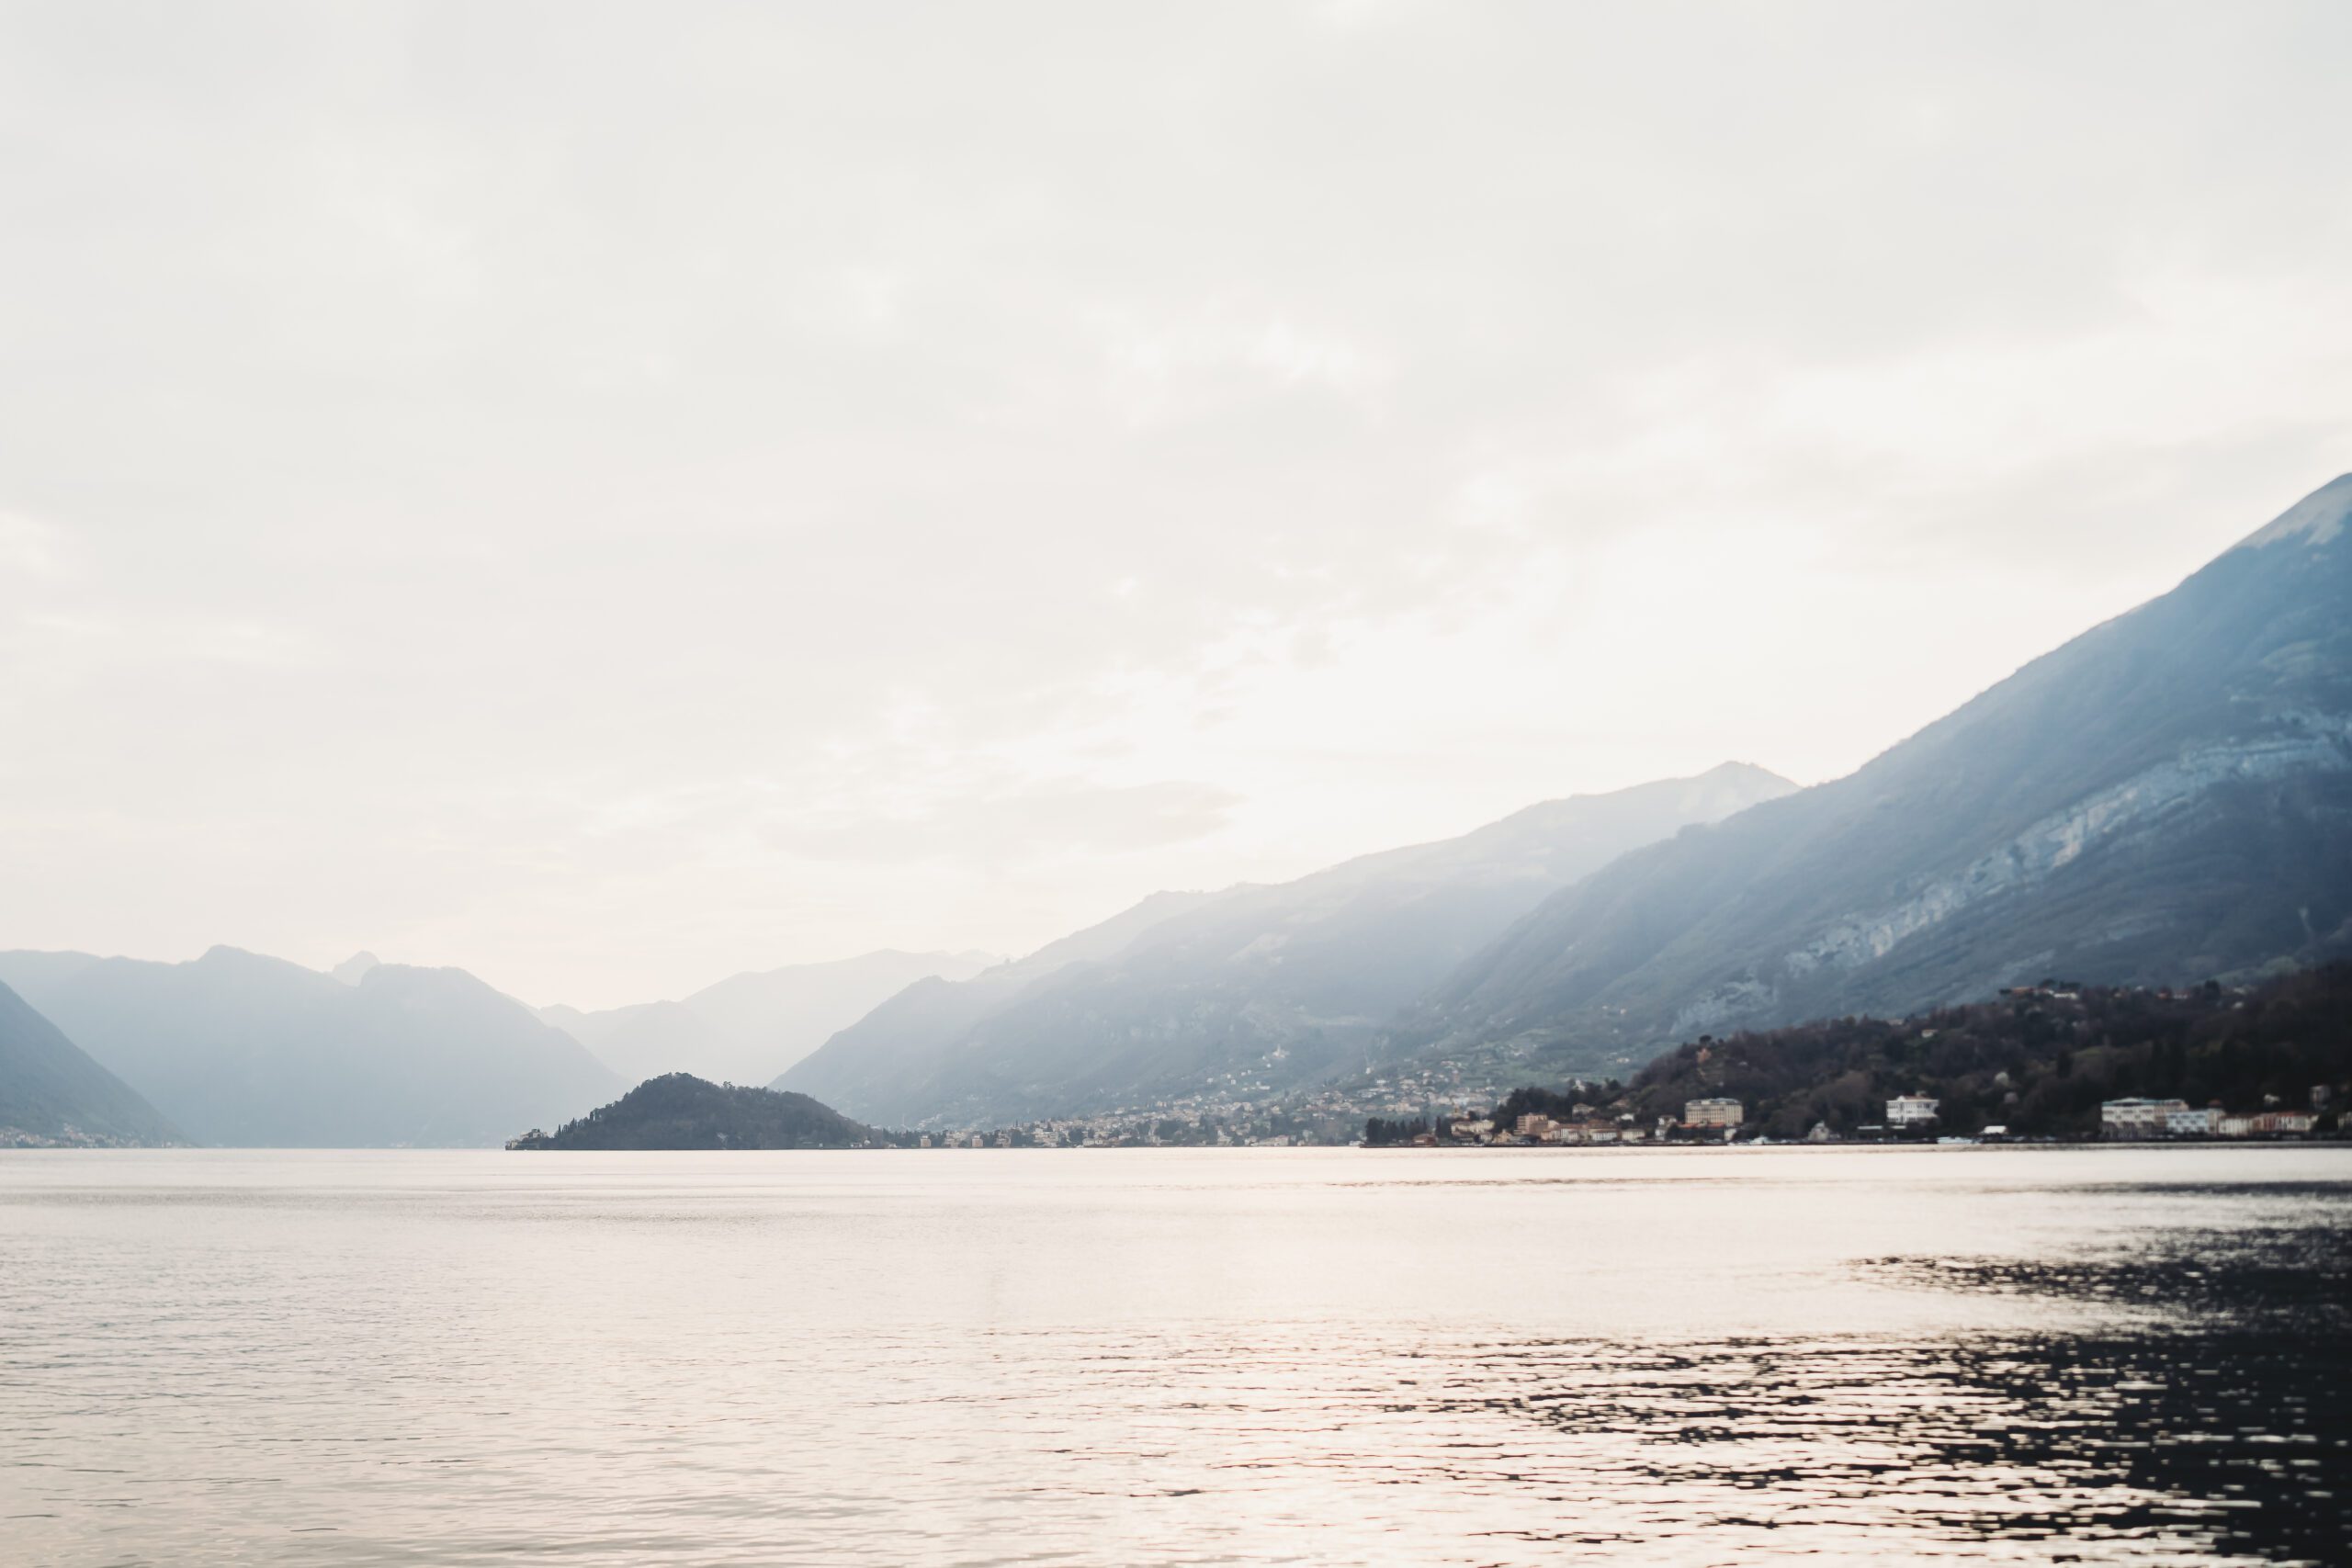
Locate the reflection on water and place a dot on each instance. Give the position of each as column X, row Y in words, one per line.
column 2156, row 1448
column 1242, row 1357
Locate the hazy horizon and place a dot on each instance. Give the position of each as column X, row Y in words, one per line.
column 610, row 500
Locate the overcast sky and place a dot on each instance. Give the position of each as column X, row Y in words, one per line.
column 613, row 496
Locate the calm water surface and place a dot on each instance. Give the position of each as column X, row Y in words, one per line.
column 1142, row 1357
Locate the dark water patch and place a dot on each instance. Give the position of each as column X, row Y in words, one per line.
column 2290, row 1281
column 2176, row 1447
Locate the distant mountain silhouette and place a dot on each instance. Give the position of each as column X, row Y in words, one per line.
column 748, row 1028
column 354, row 969
column 50, row 1091
column 876, row 1061
column 679, row 1110
column 2165, row 799
column 1256, row 984
column 240, row 1049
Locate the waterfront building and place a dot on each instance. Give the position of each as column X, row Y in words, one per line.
column 2137, row 1117
column 2195, row 1123
column 1712, row 1114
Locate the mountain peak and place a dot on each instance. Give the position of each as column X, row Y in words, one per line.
column 1747, row 772
column 2315, row 520
column 354, row 969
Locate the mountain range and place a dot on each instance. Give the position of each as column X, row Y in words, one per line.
column 2163, row 799
column 1255, row 987
column 236, row 1048
column 2166, row 798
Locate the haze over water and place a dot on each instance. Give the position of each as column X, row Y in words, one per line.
column 1252, row 1355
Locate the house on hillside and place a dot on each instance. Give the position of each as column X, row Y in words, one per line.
column 1911, row 1110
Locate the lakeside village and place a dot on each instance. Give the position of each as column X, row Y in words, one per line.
column 1910, row 1118
column 2052, row 1061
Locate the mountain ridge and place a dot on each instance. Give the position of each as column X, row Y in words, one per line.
column 1279, row 980
column 241, row 1049
column 2195, row 753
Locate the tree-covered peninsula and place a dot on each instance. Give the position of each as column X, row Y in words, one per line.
column 679, row 1110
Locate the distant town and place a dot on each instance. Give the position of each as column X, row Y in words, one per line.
column 1909, row 1119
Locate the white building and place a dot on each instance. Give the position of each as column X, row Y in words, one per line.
column 1911, row 1111
column 2193, row 1123
column 2137, row 1117
column 1711, row 1112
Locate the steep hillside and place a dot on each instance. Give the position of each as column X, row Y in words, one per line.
column 874, row 1066
column 2165, row 799
column 748, row 1028
column 1264, row 986
column 240, row 1049
column 52, row 1092
column 2037, row 1063
column 678, row 1110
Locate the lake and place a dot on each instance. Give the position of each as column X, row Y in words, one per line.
column 1250, row 1356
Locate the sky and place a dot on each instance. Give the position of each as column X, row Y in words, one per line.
column 613, row 496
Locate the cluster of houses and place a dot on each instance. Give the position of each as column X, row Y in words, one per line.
column 1538, row 1129
column 1718, row 1114
column 2143, row 1118
column 1584, row 1126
